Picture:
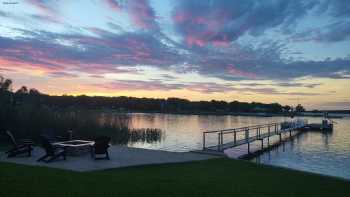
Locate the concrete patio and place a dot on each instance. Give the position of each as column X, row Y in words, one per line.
column 121, row 156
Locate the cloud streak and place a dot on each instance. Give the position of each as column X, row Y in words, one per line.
column 200, row 87
column 109, row 52
column 140, row 13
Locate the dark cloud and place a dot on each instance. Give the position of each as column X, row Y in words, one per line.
column 59, row 74
column 273, row 91
column 115, row 27
column 168, row 77
column 3, row 14
column 294, row 84
column 336, row 8
column 202, row 87
column 284, row 84
column 219, row 22
column 97, row 76
column 263, row 61
column 142, row 14
column 124, row 85
column 334, row 32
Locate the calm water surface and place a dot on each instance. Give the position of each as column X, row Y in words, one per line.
column 317, row 152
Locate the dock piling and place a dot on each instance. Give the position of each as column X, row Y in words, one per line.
column 248, row 147
column 280, row 137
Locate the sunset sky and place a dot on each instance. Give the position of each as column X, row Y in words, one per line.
column 284, row 51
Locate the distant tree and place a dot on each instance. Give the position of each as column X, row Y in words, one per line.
column 22, row 90
column 33, row 97
column 34, row 92
column 299, row 108
column 287, row 108
column 5, row 84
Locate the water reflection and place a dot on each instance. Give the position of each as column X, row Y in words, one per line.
column 123, row 134
column 327, row 153
column 318, row 152
column 184, row 132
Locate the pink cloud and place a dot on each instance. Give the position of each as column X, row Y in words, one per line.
column 113, row 4
column 42, row 6
column 200, row 30
column 142, row 14
column 107, row 53
column 46, row 7
column 154, row 85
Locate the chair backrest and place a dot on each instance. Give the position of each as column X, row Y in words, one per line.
column 101, row 144
column 47, row 145
column 12, row 138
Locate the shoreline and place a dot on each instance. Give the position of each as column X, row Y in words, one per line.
column 254, row 114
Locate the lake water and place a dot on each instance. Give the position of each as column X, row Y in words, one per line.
column 317, row 152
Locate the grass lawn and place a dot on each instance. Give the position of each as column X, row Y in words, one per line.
column 219, row 177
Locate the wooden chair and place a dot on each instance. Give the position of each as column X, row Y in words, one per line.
column 52, row 153
column 100, row 147
column 21, row 146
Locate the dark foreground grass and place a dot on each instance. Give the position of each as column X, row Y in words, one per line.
column 4, row 147
column 219, row 177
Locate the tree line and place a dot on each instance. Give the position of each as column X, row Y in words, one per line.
column 132, row 104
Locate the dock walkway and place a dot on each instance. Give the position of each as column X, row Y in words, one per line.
column 230, row 138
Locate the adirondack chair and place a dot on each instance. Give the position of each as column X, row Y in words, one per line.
column 20, row 147
column 52, row 152
column 100, row 147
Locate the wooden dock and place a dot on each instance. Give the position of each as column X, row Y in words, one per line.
column 221, row 140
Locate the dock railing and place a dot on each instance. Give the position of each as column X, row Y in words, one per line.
column 226, row 138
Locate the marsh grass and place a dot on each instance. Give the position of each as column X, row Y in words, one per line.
column 29, row 121
column 145, row 135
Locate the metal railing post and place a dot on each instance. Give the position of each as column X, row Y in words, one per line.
column 203, row 140
column 222, row 139
column 219, row 148
column 235, row 137
column 276, row 128
column 247, row 134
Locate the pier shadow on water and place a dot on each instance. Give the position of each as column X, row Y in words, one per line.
column 313, row 151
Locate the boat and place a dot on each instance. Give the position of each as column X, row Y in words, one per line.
column 326, row 125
